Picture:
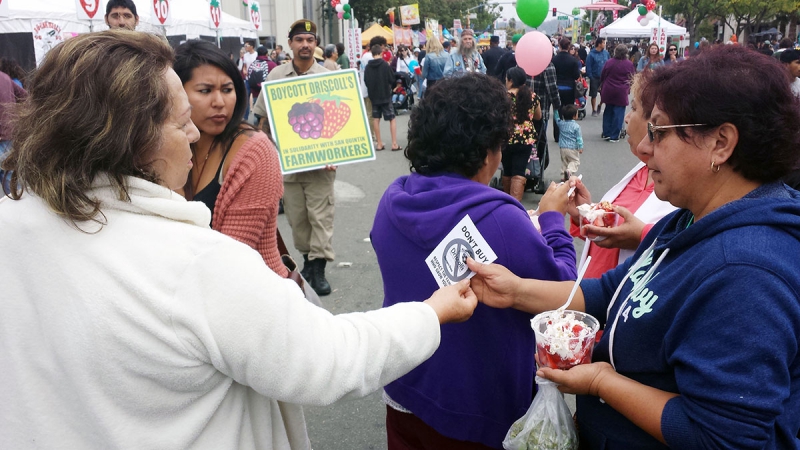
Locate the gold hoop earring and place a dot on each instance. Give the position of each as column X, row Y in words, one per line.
column 715, row 167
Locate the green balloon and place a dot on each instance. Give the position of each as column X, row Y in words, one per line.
column 346, row 15
column 576, row 11
column 532, row 12
column 346, row 8
column 642, row 10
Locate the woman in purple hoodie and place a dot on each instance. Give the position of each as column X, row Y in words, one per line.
column 615, row 83
column 467, row 395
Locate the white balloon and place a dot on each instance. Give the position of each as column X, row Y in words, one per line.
column 344, row 2
column 644, row 22
column 651, row 15
column 340, row 8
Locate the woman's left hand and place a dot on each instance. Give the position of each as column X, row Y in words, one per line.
column 583, row 379
column 628, row 235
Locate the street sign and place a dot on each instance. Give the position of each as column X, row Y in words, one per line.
column 562, row 17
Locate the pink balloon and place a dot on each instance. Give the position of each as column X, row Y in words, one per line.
column 340, row 14
column 534, row 52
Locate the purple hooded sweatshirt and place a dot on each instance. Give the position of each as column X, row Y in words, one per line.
column 480, row 379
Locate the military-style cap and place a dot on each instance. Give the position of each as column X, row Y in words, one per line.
column 302, row 26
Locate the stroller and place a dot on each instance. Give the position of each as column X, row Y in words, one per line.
column 408, row 84
column 581, row 86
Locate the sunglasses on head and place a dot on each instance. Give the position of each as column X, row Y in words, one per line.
column 653, row 129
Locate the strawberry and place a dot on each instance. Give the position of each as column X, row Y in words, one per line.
column 609, row 220
column 605, row 206
column 336, row 113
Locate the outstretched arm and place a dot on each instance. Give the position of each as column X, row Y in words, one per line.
column 496, row 286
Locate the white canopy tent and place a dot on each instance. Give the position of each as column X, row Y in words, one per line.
column 29, row 28
column 628, row 27
column 188, row 17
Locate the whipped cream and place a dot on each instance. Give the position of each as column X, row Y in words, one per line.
column 565, row 335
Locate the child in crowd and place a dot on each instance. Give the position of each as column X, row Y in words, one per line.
column 398, row 93
column 570, row 141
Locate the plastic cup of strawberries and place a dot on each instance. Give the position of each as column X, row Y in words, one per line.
column 599, row 215
column 564, row 339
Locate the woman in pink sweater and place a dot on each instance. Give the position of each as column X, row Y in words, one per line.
column 236, row 171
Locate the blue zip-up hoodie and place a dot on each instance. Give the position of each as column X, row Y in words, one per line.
column 595, row 62
column 480, row 379
column 717, row 323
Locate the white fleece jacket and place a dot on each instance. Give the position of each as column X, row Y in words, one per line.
column 156, row 332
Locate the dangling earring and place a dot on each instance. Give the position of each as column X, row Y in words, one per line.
column 715, row 169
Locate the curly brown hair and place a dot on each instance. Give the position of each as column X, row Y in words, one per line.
column 96, row 106
column 458, row 123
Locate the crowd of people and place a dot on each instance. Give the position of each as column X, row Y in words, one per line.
column 148, row 302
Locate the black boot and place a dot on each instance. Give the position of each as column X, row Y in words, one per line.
column 318, row 281
column 306, row 272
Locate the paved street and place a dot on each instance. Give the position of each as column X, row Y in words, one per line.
column 359, row 424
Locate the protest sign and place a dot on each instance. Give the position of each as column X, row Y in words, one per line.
column 318, row 120
column 447, row 262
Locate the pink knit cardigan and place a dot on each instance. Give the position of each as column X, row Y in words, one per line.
column 247, row 204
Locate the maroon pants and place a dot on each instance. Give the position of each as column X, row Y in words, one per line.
column 408, row 432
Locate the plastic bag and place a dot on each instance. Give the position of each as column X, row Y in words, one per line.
column 547, row 425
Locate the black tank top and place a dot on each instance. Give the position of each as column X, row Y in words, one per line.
column 208, row 194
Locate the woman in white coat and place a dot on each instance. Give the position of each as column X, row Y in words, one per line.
column 127, row 322
column 632, row 197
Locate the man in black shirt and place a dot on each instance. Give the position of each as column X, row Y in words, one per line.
column 568, row 70
column 493, row 55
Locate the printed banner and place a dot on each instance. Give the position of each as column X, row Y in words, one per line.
column 318, row 120
column 403, row 36
column 659, row 36
column 448, row 261
column 354, row 45
column 86, row 9
column 504, row 38
column 215, row 14
column 161, row 12
column 457, row 24
column 46, row 35
column 432, row 28
column 255, row 14
column 409, row 14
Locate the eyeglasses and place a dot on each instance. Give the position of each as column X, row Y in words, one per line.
column 673, row 49
column 653, row 129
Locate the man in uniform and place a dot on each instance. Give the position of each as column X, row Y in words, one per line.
column 308, row 196
column 121, row 14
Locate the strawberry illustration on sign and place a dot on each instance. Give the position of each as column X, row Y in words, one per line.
column 90, row 7
column 161, row 10
column 322, row 116
column 335, row 112
column 255, row 14
column 216, row 13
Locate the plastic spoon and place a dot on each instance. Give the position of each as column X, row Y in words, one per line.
column 563, row 307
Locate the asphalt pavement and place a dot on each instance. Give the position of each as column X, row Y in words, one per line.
column 355, row 424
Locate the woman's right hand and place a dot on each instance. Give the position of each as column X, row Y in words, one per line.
column 581, row 196
column 454, row 303
column 555, row 199
column 493, row 284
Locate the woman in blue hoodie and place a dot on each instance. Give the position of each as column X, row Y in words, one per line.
column 701, row 347
column 467, row 395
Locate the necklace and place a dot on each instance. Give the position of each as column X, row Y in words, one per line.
column 202, row 170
